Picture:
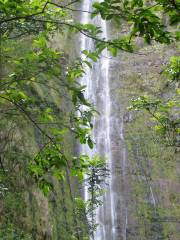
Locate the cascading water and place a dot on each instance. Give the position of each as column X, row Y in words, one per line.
column 112, row 224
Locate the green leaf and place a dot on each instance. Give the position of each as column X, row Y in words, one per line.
column 90, row 143
column 113, row 51
column 88, row 64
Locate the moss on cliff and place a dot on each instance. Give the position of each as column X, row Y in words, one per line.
column 25, row 213
column 152, row 171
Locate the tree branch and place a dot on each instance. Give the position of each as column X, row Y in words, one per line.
column 30, row 118
column 25, row 17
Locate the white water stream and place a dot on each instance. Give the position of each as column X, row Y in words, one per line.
column 98, row 92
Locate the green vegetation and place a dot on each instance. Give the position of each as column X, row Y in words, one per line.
column 42, row 116
column 164, row 111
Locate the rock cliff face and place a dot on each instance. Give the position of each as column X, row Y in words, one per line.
column 142, row 202
column 25, row 213
column 133, row 205
column 145, row 208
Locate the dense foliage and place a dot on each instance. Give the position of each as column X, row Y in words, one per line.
column 40, row 88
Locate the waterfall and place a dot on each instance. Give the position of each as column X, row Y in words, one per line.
column 98, row 92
